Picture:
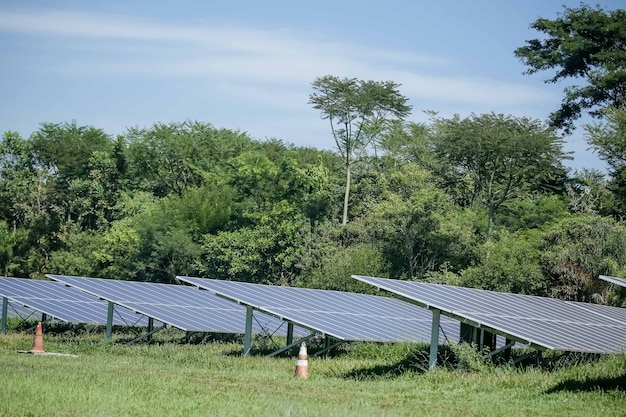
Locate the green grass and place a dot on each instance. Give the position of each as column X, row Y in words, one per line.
column 171, row 379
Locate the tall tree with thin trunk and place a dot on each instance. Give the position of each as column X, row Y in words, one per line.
column 359, row 112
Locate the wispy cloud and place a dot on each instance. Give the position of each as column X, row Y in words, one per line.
column 230, row 55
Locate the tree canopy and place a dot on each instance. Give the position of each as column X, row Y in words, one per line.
column 587, row 44
column 359, row 113
column 503, row 156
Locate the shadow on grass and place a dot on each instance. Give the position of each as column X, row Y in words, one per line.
column 415, row 362
column 617, row 383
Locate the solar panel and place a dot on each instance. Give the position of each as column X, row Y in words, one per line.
column 183, row 307
column 342, row 315
column 63, row 303
column 614, row 280
column 539, row 321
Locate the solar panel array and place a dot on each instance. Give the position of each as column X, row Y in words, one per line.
column 180, row 306
column 63, row 303
column 550, row 323
column 342, row 315
column 614, row 280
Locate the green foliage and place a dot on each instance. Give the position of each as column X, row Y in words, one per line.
column 118, row 254
column 267, row 252
column 503, row 156
column 189, row 199
column 167, row 245
column 66, row 148
column 417, row 226
column 12, row 245
column 589, row 193
column 408, row 142
column 75, row 253
column 510, row 263
column 359, row 112
column 579, row 248
column 18, row 176
column 202, row 210
column 531, row 211
column 608, row 140
column 581, row 43
column 91, row 201
column 169, row 158
column 468, row 359
column 335, row 272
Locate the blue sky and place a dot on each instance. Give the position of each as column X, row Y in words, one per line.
column 248, row 66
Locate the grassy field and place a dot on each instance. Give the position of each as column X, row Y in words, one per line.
column 173, row 379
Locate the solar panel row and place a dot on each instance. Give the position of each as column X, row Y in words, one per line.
column 63, row 303
column 183, row 307
column 539, row 321
column 343, row 315
column 614, row 280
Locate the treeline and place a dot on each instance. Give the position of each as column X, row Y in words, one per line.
column 482, row 201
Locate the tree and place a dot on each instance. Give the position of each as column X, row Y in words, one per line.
column 359, row 112
column 582, row 43
column 266, row 252
column 576, row 250
column 66, row 148
column 171, row 158
column 503, row 155
column 608, row 140
column 512, row 265
column 409, row 222
column 408, row 142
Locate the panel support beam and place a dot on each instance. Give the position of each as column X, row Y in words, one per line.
column 5, row 308
column 504, row 348
column 148, row 335
column 296, row 343
column 247, row 338
column 109, row 330
column 434, row 340
column 329, row 346
column 289, row 333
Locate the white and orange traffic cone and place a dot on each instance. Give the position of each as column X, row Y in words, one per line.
column 38, row 343
column 302, row 365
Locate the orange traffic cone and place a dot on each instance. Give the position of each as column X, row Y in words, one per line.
column 302, row 365
column 38, row 343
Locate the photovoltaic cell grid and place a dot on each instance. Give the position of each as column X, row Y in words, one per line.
column 64, row 303
column 547, row 322
column 183, row 307
column 614, row 280
column 342, row 315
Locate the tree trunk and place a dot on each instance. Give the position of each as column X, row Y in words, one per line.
column 346, row 196
column 491, row 211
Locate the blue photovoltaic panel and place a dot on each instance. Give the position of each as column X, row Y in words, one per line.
column 180, row 306
column 546, row 322
column 342, row 315
column 614, row 280
column 64, row 303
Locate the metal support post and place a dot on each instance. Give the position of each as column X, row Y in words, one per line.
column 150, row 328
column 289, row 333
column 5, row 305
column 109, row 331
column 434, row 340
column 247, row 338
